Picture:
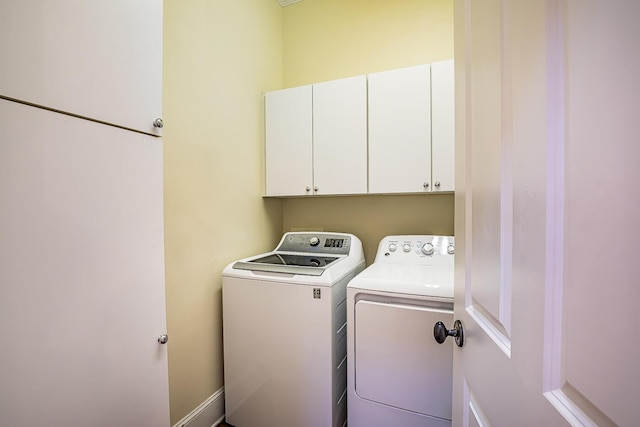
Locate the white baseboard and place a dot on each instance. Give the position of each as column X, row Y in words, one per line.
column 208, row 414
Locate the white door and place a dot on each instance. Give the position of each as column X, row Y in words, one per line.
column 101, row 60
column 81, row 273
column 395, row 358
column 340, row 136
column 547, row 213
column 289, row 142
column 442, row 126
column 400, row 130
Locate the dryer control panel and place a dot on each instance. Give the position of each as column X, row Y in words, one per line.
column 416, row 249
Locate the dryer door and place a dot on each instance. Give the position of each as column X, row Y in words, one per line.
column 398, row 362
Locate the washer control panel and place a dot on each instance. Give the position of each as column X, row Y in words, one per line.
column 315, row 242
column 413, row 248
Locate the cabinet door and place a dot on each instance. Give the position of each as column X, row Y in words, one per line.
column 101, row 60
column 340, row 136
column 82, row 271
column 289, row 166
column 400, row 130
column 442, row 126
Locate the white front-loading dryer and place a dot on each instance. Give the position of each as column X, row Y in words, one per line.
column 284, row 332
column 397, row 373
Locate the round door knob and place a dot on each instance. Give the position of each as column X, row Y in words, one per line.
column 158, row 123
column 437, row 184
column 425, row 185
column 307, row 189
column 440, row 332
column 315, row 188
column 163, row 339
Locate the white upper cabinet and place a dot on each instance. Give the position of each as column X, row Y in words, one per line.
column 316, row 139
column 442, row 126
column 400, row 130
column 100, row 60
column 387, row 132
column 289, row 150
column 340, row 136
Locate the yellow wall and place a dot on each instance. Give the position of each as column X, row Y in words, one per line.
column 331, row 39
column 372, row 217
column 219, row 57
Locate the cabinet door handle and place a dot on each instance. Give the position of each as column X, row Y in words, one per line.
column 425, row 185
column 315, row 188
column 437, row 184
column 307, row 189
column 159, row 123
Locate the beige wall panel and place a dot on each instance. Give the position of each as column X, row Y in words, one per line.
column 219, row 57
column 331, row 39
column 371, row 217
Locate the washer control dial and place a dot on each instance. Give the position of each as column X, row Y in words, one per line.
column 314, row 241
column 427, row 249
column 406, row 247
column 392, row 247
column 451, row 249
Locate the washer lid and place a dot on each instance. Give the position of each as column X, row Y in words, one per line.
column 278, row 262
column 420, row 280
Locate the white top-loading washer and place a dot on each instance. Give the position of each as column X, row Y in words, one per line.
column 397, row 373
column 284, row 331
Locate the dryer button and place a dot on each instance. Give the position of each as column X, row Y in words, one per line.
column 406, row 247
column 392, row 247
